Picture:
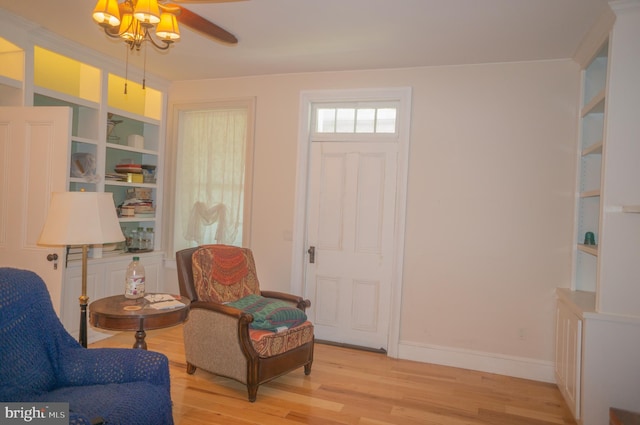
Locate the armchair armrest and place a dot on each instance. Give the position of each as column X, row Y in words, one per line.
column 80, row 366
column 230, row 326
column 220, row 308
column 243, row 319
column 299, row 302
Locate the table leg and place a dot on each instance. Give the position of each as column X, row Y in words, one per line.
column 140, row 335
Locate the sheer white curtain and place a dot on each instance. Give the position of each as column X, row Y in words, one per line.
column 210, row 184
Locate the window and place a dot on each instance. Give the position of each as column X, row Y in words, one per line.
column 214, row 150
column 361, row 118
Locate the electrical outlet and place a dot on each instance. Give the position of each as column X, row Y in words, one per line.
column 521, row 334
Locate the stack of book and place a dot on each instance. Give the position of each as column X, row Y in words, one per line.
column 141, row 200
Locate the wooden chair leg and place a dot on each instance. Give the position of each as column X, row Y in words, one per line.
column 307, row 368
column 190, row 368
column 253, row 392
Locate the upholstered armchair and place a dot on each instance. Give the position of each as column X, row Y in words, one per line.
column 41, row 362
column 235, row 329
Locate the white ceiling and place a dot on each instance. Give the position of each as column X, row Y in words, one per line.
column 289, row 36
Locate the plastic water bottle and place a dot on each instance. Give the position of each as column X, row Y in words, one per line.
column 134, row 280
column 150, row 239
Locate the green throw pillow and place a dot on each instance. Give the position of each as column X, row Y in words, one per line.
column 269, row 313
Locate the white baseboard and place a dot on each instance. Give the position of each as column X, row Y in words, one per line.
column 519, row 367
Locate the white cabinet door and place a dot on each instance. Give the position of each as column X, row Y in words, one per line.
column 569, row 356
column 34, row 161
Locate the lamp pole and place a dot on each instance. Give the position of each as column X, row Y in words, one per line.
column 84, row 299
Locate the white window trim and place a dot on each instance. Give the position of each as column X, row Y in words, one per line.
column 307, row 100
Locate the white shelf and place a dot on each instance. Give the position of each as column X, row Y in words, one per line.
column 135, row 219
column 589, row 249
column 595, row 105
column 131, row 149
column 84, row 140
column 133, row 116
column 80, row 180
column 127, row 184
column 631, row 208
column 66, row 97
column 594, row 149
column 10, row 82
column 590, row 193
column 582, row 301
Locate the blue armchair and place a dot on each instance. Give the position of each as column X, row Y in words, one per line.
column 41, row 362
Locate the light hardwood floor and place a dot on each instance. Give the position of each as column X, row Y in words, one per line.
column 349, row 386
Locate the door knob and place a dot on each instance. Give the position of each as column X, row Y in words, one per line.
column 53, row 257
column 312, row 254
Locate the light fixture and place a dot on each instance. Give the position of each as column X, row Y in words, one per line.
column 81, row 218
column 133, row 21
column 106, row 13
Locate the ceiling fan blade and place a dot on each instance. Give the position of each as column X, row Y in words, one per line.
column 201, row 25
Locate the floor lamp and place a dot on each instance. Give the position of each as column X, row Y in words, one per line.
column 81, row 218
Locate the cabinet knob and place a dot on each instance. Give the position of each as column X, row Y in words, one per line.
column 53, row 257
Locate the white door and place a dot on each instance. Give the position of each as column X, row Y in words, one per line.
column 34, row 162
column 351, row 207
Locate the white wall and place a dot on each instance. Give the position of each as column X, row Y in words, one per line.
column 490, row 201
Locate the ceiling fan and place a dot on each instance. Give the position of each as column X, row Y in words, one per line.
column 131, row 20
column 198, row 23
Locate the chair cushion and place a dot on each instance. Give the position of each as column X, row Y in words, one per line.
column 269, row 344
column 270, row 313
column 223, row 273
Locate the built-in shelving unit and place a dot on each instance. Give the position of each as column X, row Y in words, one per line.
column 598, row 316
column 109, row 128
column 581, row 297
column 590, row 168
column 95, row 99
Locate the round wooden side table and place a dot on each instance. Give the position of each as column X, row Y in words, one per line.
column 118, row 313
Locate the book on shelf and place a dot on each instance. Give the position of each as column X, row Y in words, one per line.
column 74, row 253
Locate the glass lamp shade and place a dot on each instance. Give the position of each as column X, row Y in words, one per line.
column 106, row 13
column 147, row 12
column 167, row 28
column 81, row 218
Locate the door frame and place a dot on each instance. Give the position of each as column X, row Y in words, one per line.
column 299, row 236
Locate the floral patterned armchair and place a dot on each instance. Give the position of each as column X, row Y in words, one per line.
column 235, row 329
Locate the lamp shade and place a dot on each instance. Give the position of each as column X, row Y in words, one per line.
column 147, row 12
column 107, row 13
column 81, row 218
column 130, row 28
column 167, row 28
